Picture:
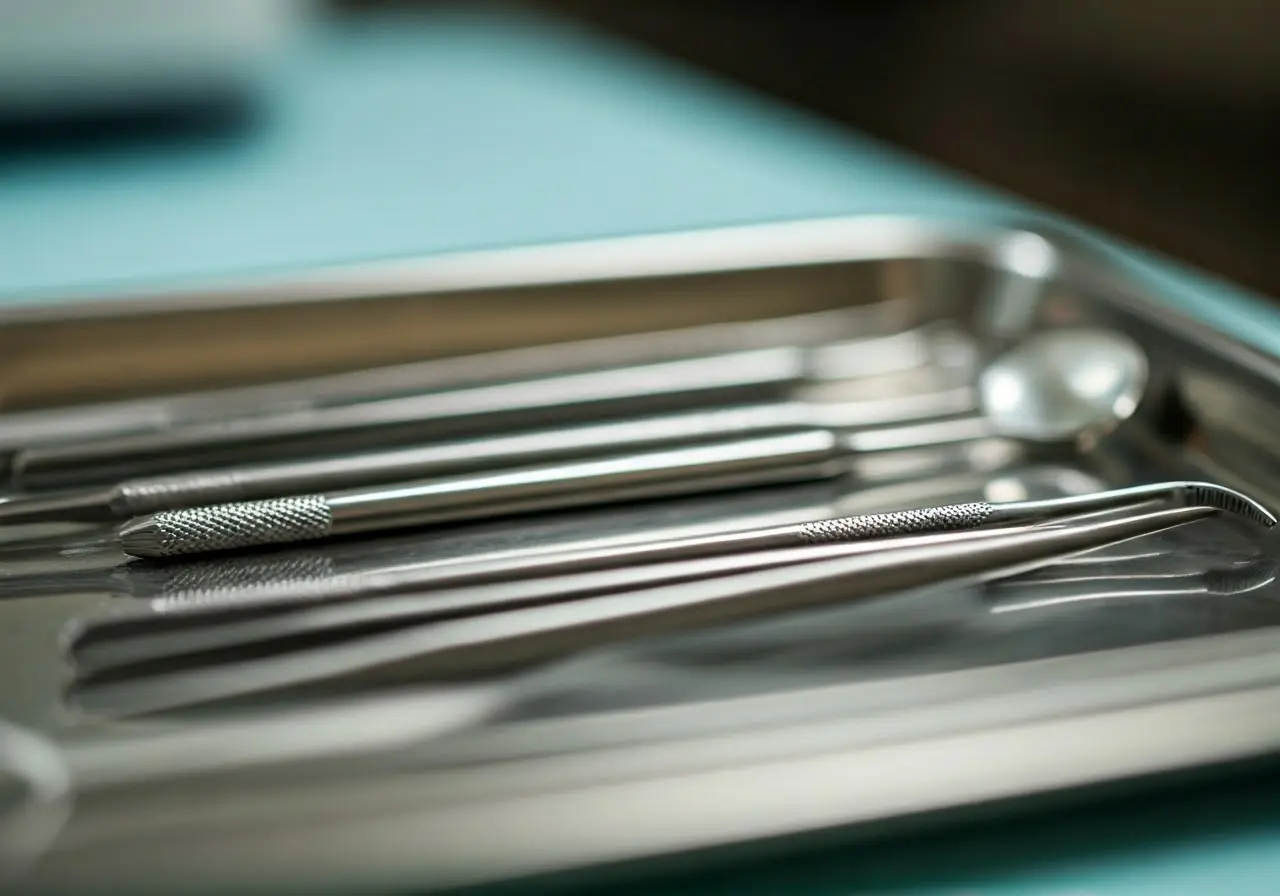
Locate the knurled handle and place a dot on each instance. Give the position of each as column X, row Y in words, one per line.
column 223, row 527
column 950, row 517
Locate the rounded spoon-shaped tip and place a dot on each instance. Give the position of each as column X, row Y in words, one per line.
column 1065, row 384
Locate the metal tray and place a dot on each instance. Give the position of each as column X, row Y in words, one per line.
column 946, row 699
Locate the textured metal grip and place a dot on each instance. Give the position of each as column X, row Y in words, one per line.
column 223, row 527
column 951, row 517
column 140, row 496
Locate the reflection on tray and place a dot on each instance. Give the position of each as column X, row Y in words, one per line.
column 1209, row 579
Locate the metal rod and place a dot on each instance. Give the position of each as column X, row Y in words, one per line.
column 789, row 457
column 301, row 427
column 504, row 641
column 96, row 656
column 174, row 491
column 622, row 391
column 78, row 423
column 287, row 520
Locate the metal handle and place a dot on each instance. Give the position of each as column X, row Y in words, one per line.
column 790, row 457
column 750, row 375
column 249, row 482
column 111, row 418
column 947, row 518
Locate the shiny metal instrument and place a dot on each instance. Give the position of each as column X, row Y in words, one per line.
column 1027, row 393
column 905, row 698
column 234, row 526
column 1057, row 387
column 376, row 423
column 114, row 645
column 772, row 373
column 498, row 642
column 406, row 596
column 253, row 481
column 948, row 474
column 790, row 457
column 112, row 418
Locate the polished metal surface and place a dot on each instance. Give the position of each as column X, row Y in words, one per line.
column 109, row 418
column 789, row 457
column 508, row 640
column 35, row 784
column 1154, row 655
column 603, row 393
column 91, row 560
column 1059, row 589
column 143, row 495
column 288, row 520
column 521, row 570
column 277, row 738
column 550, row 400
column 1065, row 384
column 1072, row 385
column 173, row 491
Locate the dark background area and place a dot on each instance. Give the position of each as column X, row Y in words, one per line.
column 1154, row 120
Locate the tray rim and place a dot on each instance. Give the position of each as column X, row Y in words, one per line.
column 1038, row 249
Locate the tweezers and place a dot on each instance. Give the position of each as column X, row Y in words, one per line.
column 500, row 642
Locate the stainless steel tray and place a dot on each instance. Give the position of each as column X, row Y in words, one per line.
column 1133, row 662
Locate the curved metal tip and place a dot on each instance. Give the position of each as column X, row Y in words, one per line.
column 1210, row 494
column 140, row 537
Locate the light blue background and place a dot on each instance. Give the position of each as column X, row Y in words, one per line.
column 474, row 130
column 463, row 131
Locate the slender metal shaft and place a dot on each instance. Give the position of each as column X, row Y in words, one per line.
column 298, row 591
column 79, row 423
column 208, row 591
column 503, row 641
column 760, row 550
column 617, row 392
column 244, row 482
column 482, row 585
column 789, row 457
column 254, row 523
column 356, row 412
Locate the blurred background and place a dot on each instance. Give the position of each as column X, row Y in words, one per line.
column 1154, row 120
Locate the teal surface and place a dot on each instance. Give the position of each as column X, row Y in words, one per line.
column 474, row 130
column 463, row 131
